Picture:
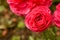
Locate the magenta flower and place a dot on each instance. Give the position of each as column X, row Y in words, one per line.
column 38, row 19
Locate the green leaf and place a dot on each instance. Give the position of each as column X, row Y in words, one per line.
column 16, row 38
column 2, row 8
column 21, row 24
column 31, row 38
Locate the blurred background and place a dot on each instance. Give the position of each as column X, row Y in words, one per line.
column 12, row 27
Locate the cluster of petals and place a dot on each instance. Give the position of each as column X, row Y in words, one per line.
column 38, row 19
column 37, row 13
column 23, row 7
column 56, row 16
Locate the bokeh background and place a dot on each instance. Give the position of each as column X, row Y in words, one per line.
column 12, row 27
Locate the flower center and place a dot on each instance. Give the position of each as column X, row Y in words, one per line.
column 38, row 18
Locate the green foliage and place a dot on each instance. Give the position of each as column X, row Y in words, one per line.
column 2, row 8
column 16, row 37
column 21, row 24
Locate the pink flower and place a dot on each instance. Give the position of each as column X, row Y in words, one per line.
column 38, row 19
column 58, row 6
column 23, row 7
column 47, row 3
column 20, row 7
column 57, row 18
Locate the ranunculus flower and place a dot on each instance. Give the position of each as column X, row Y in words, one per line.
column 23, row 7
column 47, row 3
column 20, row 7
column 58, row 6
column 38, row 19
column 56, row 17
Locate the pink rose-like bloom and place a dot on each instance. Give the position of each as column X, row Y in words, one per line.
column 20, row 7
column 56, row 17
column 47, row 3
column 38, row 19
column 58, row 6
column 23, row 7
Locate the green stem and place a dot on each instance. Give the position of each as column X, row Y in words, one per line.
column 54, row 30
